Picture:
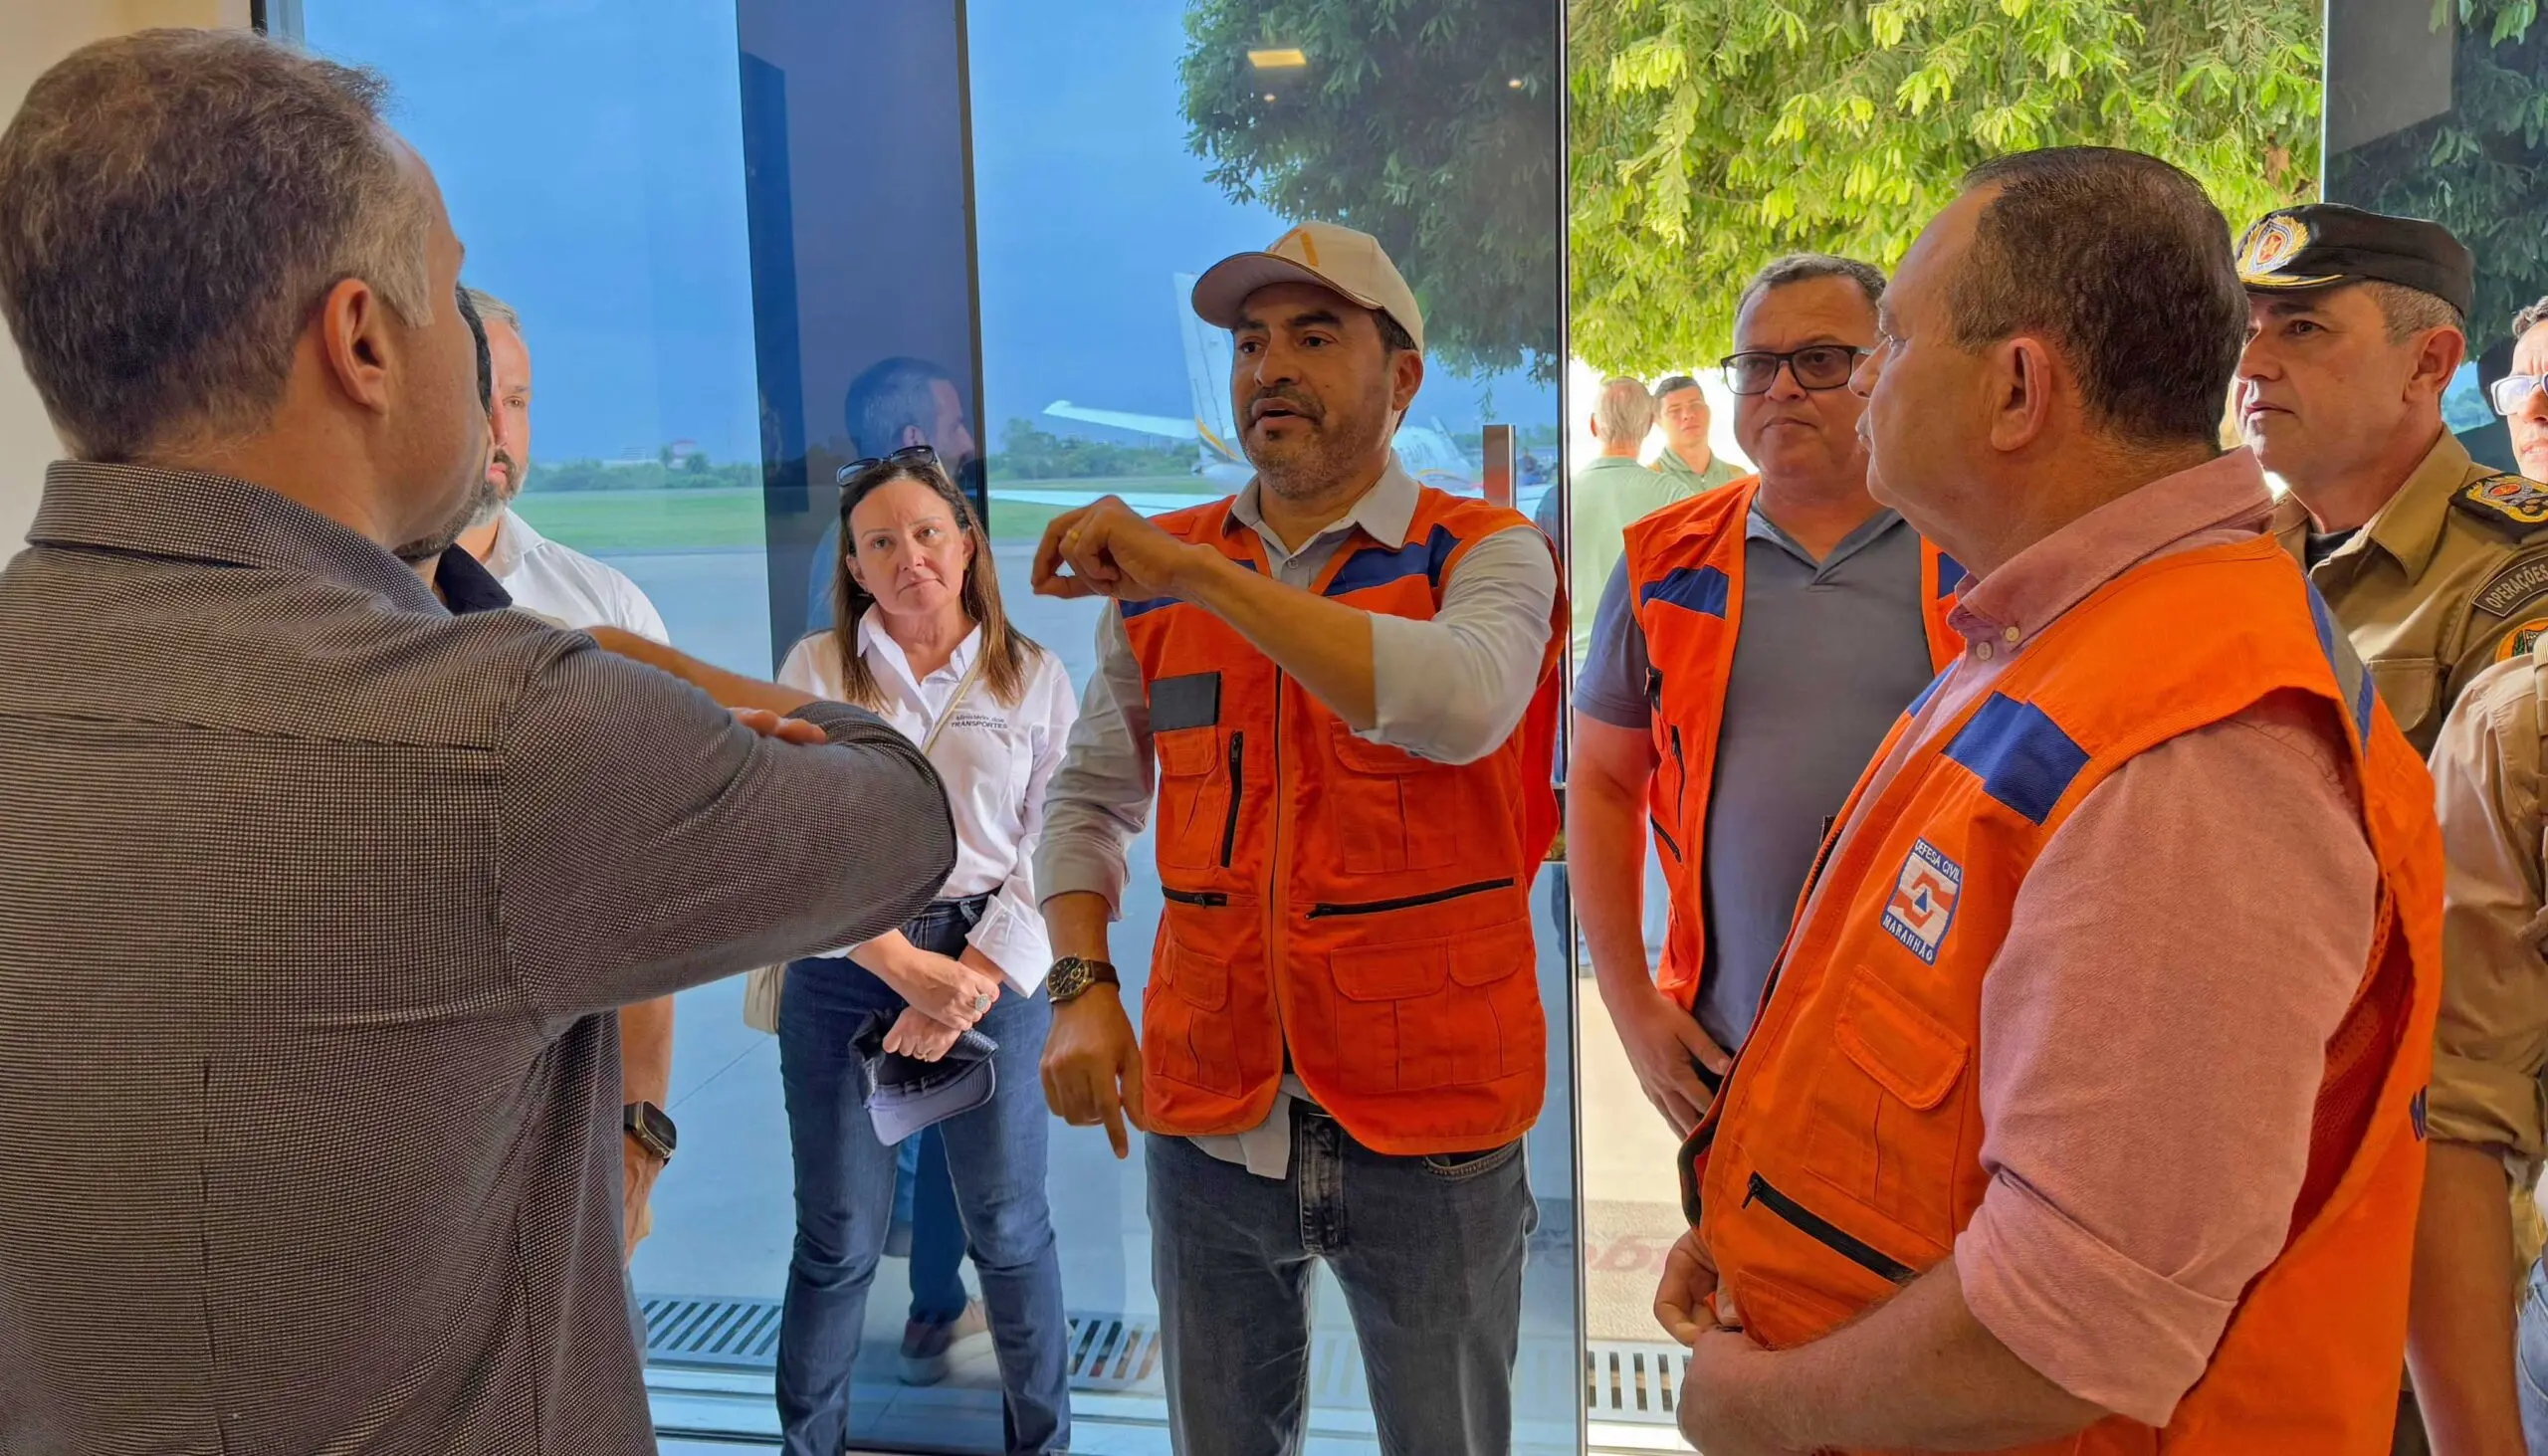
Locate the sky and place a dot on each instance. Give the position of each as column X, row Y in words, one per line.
column 591, row 155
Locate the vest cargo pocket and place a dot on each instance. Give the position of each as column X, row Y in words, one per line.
column 1442, row 1011
column 1194, row 800
column 1183, row 1030
column 1887, row 1129
column 1390, row 808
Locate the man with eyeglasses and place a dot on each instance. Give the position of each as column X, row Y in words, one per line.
column 1747, row 656
column 2490, row 777
column 2435, row 568
column 2521, row 396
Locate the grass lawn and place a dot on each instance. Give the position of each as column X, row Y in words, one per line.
column 677, row 519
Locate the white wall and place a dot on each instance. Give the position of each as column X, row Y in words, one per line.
column 33, row 35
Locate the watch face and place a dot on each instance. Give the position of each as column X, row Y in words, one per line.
column 655, row 1126
column 1069, row 978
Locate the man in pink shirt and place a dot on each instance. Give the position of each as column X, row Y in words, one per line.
column 2154, row 1026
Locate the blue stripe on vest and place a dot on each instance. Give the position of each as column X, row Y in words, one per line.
column 1928, row 692
column 1369, row 568
column 1700, row 589
column 1133, row 609
column 2023, row 758
column 2353, row 680
column 1950, row 575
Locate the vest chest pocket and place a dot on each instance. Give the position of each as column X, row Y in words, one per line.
column 1887, row 1125
column 1390, row 808
column 1198, row 795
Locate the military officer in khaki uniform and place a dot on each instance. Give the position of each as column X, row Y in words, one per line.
column 2433, row 563
column 2488, row 1104
column 2436, row 568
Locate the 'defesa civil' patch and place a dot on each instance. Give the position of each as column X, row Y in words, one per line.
column 1923, row 904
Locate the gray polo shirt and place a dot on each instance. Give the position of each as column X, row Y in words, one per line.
column 1829, row 657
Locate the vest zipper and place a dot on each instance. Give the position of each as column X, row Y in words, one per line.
column 1681, row 790
column 1194, row 897
column 1820, row 1229
column 1383, row 906
column 1238, row 763
column 1665, row 835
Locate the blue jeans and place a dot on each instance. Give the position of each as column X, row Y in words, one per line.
column 925, row 1198
column 845, row 1201
column 1429, row 1251
column 2530, row 1362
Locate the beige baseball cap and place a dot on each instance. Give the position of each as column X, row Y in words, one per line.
column 1338, row 259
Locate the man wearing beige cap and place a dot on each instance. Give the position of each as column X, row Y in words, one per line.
column 1344, row 684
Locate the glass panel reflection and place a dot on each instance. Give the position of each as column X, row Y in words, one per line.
column 2433, row 111
column 752, row 242
column 1116, row 158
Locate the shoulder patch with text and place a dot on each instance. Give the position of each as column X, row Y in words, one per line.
column 1923, row 905
column 2513, row 585
column 2510, row 503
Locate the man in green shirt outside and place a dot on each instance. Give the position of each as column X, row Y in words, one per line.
column 1687, row 460
column 1611, row 493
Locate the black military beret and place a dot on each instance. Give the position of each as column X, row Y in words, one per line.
column 2324, row 244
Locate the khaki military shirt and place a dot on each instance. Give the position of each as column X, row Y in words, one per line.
column 2446, row 580
column 2491, row 1044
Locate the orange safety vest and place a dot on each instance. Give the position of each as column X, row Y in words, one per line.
column 1685, row 584
column 1844, row 1157
column 1364, row 910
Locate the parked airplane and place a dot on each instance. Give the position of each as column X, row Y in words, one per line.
column 1428, row 452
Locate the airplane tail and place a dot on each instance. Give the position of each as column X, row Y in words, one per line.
column 1207, row 375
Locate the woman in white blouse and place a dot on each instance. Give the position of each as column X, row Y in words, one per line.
column 925, row 645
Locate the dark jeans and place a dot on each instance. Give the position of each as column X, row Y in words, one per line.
column 845, row 1200
column 1429, row 1253
column 926, row 1198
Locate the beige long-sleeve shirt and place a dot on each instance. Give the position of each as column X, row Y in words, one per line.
column 2493, row 1042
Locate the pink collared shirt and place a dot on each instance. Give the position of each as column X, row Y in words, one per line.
column 2154, row 1029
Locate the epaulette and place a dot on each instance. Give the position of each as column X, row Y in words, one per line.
column 2512, row 505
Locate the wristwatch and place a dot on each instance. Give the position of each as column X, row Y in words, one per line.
column 652, row 1126
column 1072, row 975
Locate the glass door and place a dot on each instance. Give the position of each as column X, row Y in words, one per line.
column 750, row 240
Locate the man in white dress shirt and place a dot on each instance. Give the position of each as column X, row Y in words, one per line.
column 539, row 574
column 574, row 590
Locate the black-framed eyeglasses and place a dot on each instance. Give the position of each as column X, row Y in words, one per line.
column 1816, row 367
column 2513, row 391
column 908, row 455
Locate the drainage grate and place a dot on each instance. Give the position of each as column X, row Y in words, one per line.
column 1107, row 1352
column 1632, row 1382
column 1622, row 1380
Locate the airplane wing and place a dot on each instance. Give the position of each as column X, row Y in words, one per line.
column 1168, row 425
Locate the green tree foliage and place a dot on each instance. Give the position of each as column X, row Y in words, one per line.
column 1432, row 124
column 2480, row 168
column 1029, row 454
column 1708, row 136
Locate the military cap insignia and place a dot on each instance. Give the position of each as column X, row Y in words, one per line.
column 2516, row 507
column 2272, row 245
column 2523, row 636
